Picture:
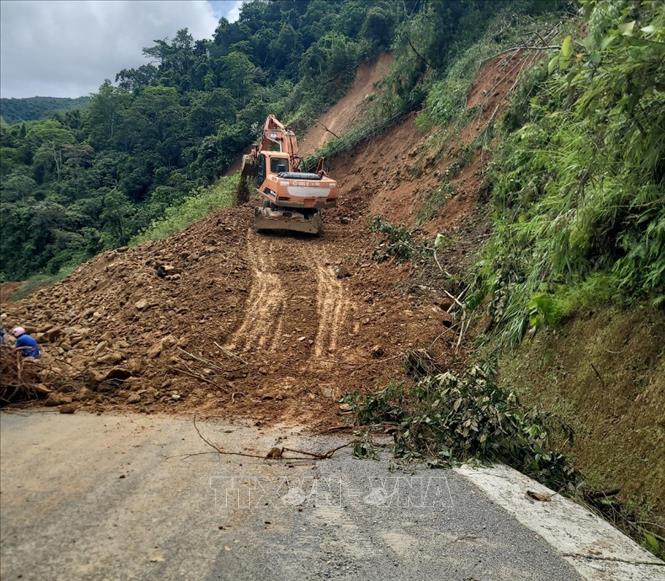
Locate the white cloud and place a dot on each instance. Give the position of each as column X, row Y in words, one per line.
column 68, row 48
column 234, row 12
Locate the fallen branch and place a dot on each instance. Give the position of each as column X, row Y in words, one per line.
column 328, row 130
column 199, row 377
column 275, row 453
column 602, row 381
column 454, row 299
column 230, row 353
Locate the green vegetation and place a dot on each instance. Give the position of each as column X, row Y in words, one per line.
column 579, row 178
column 437, row 54
column 446, row 418
column 37, row 281
column 199, row 204
column 33, row 108
column 397, row 243
column 93, row 178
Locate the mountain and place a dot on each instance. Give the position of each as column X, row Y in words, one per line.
column 33, row 108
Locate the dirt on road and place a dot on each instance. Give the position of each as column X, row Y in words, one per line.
column 275, row 327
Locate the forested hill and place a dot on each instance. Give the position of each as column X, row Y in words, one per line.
column 91, row 178
column 33, row 108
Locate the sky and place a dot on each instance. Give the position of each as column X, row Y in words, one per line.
column 66, row 48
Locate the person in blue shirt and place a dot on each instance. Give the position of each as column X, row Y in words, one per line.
column 25, row 343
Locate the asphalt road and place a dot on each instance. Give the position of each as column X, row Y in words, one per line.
column 92, row 497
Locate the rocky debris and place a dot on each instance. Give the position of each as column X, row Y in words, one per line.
column 56, row 399
column 341, row 271
column 377, row 351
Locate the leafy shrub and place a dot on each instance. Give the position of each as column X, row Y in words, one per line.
column 201, row 203
column 398, row 241
column 449, row 418
column 579, row 187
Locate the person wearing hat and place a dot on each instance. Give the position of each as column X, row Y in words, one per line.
column 26, row 344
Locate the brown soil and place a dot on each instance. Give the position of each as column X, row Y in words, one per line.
column 341, row 116
column 221, row 320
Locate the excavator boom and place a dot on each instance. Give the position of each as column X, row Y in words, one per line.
column 291, row 199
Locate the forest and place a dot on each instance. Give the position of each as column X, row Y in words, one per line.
column 88, row 179
column 33, row 108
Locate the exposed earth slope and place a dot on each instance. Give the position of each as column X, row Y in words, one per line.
column 275, row 327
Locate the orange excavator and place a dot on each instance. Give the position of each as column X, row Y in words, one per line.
column 291, row 199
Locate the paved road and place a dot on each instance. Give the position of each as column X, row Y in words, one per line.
column 109, row 497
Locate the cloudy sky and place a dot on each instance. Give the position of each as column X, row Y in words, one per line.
column 66, row 48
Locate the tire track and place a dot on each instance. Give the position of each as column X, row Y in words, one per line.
column 332, row 308
column 262, row 325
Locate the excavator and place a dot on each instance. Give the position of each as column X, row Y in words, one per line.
column 291, row 199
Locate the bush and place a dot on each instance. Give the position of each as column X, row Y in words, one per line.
column 578, row 202
column 448, row 418
column 398, row 241
column 201, row 203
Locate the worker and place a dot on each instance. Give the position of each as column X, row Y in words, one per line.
column 25, row 343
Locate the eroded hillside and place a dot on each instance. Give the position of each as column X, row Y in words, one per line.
column 222, row 320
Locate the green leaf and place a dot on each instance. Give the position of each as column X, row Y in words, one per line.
column 552, row 65
column 626, row 28
column 567, row 47
column 651, row 542
column 648, row 29
column 607, row 41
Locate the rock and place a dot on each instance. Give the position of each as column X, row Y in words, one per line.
column 134, row 398
column 175, row 396
column 70, row 408
column 55, row 399
column 101, row 346
column 111, row 358
column 345, row 220
column 53, row 334
column 83, row 394
column 155, row 350
column 141, row 304
column 377, row 351
column 341, row 271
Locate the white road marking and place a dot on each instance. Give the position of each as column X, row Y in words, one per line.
column 595, row 548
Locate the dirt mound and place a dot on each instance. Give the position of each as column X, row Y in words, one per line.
column 222, row 320
column 276, row 327
column 435, row 182
column 344, row 113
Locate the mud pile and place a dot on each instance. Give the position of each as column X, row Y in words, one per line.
column 275, row 327
column 222, row 320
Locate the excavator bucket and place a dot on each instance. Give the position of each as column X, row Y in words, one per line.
column 282, row 219
column 247, row 178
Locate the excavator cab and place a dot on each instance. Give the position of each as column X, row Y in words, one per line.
column 292, row 199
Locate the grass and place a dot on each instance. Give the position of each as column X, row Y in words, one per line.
column 176, row 218
column 38, row 281
column 198, row 205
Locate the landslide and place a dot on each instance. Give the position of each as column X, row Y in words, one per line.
column 274, row 327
